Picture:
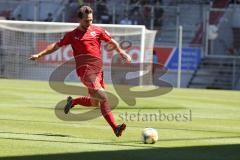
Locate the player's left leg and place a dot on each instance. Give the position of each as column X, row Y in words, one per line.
column 95, row 85
column 106, row 110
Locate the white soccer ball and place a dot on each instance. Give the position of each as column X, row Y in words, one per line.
column 149, row 136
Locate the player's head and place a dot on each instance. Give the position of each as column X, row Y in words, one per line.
column 85, row 15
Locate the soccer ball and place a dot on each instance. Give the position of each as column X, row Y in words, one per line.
column 149, row 136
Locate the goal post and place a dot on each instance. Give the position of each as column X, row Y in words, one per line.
column 179, row 74
column 20, row 39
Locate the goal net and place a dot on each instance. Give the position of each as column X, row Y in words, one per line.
column 20, row 39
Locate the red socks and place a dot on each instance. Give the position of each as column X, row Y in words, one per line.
column 105, row 109
column 107, row 114
column 82, row 100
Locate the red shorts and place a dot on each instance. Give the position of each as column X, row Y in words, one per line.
column 91, row 77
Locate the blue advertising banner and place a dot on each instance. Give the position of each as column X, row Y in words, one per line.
column 190, row 59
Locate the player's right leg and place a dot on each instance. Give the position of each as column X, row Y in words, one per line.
column 82, row 100
column 86, row 101
column 69, row 105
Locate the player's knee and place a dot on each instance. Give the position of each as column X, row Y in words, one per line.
column 101, row 95
column 95, row 102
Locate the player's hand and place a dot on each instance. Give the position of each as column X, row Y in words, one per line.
column 34, row 57
column 126, row 57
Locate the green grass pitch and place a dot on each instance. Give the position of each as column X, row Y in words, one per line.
column 30, row 129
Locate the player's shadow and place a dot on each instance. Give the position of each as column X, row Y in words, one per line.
column 217, row 152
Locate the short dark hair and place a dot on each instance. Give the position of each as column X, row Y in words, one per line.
column 84, row 10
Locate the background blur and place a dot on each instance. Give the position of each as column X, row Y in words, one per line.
column 211, row 32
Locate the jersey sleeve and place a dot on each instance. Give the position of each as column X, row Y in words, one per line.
column 105, row 35
column 65, row 40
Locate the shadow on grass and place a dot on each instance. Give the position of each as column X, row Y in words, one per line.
column 218, row 152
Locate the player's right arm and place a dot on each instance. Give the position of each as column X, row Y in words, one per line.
column 48, row 50
column 66, row 40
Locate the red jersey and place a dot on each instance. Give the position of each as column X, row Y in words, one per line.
column 86, row 46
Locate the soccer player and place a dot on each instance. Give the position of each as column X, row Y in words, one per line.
column 85, row 41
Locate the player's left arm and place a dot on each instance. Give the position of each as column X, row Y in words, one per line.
column 122, row 53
